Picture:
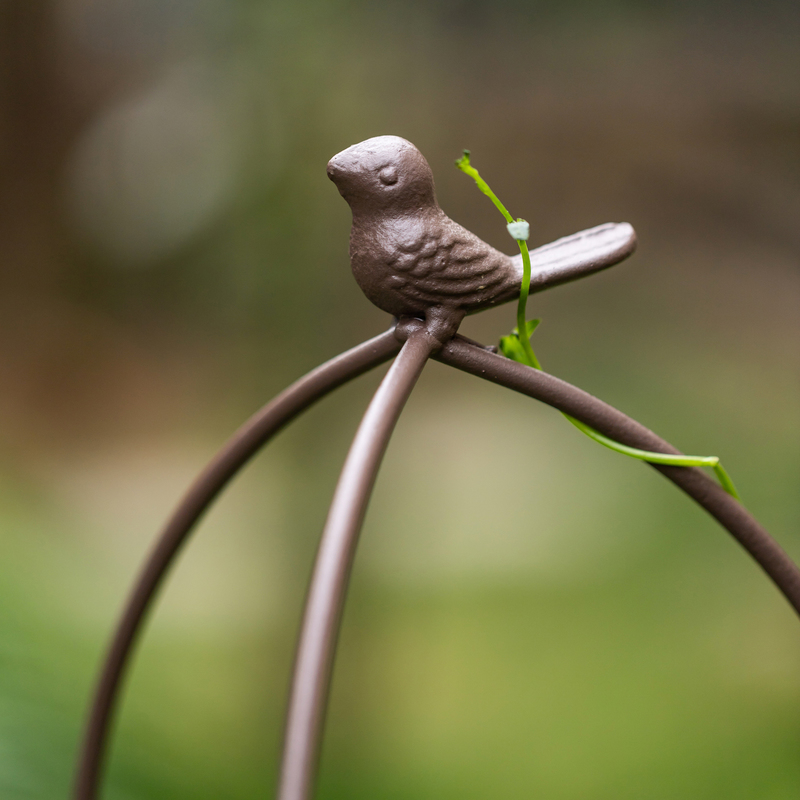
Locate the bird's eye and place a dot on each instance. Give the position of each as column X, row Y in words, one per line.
column 388, row 176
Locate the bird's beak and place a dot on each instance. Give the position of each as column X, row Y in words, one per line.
column 339, row 166
column 345, row 163
column 334, row 170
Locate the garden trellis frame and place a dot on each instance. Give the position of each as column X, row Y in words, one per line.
column 410, row 343
column 380, row 269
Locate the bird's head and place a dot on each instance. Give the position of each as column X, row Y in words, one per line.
column 385, row 173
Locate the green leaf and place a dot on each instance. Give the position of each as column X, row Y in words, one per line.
column 531, row 325
column 511, row 347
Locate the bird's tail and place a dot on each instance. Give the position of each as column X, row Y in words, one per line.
column 579, row 255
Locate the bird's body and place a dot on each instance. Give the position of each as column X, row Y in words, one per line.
column 411, row 259
column 408, row 264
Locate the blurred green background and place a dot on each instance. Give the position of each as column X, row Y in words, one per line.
column 172, row 255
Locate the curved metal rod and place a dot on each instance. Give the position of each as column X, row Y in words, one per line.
column 311, row 676
column 229, row 460
column 477, row 360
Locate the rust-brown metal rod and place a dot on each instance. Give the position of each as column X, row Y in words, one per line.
column 326, row 594
column 733, row 516
column 229, row 460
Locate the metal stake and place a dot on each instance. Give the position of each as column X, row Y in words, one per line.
column 326, row 594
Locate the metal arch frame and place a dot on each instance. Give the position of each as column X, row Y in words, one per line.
column 311, row 678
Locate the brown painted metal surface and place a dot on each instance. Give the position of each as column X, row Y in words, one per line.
column 319, row 632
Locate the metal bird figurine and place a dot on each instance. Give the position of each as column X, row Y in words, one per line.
column 411, row 259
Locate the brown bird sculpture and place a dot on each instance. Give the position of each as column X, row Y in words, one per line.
column 411, row 259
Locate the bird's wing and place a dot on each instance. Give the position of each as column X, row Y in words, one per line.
column 445, row 263
column 465, row 261
column 580, row 254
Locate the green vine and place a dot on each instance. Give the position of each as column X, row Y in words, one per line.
column 519, row 348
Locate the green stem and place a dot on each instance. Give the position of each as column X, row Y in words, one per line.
column 725, row 481
column 522, row 327
column 529, row 358
column 645, row 455
column 660, row 458
column 464, row 165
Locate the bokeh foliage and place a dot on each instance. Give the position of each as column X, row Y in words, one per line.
column 172, row 254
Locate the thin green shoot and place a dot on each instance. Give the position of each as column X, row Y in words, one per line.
column 464, row 165
column 522, row 305
column 519, row 348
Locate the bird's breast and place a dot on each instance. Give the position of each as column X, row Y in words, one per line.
column 390, row 258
